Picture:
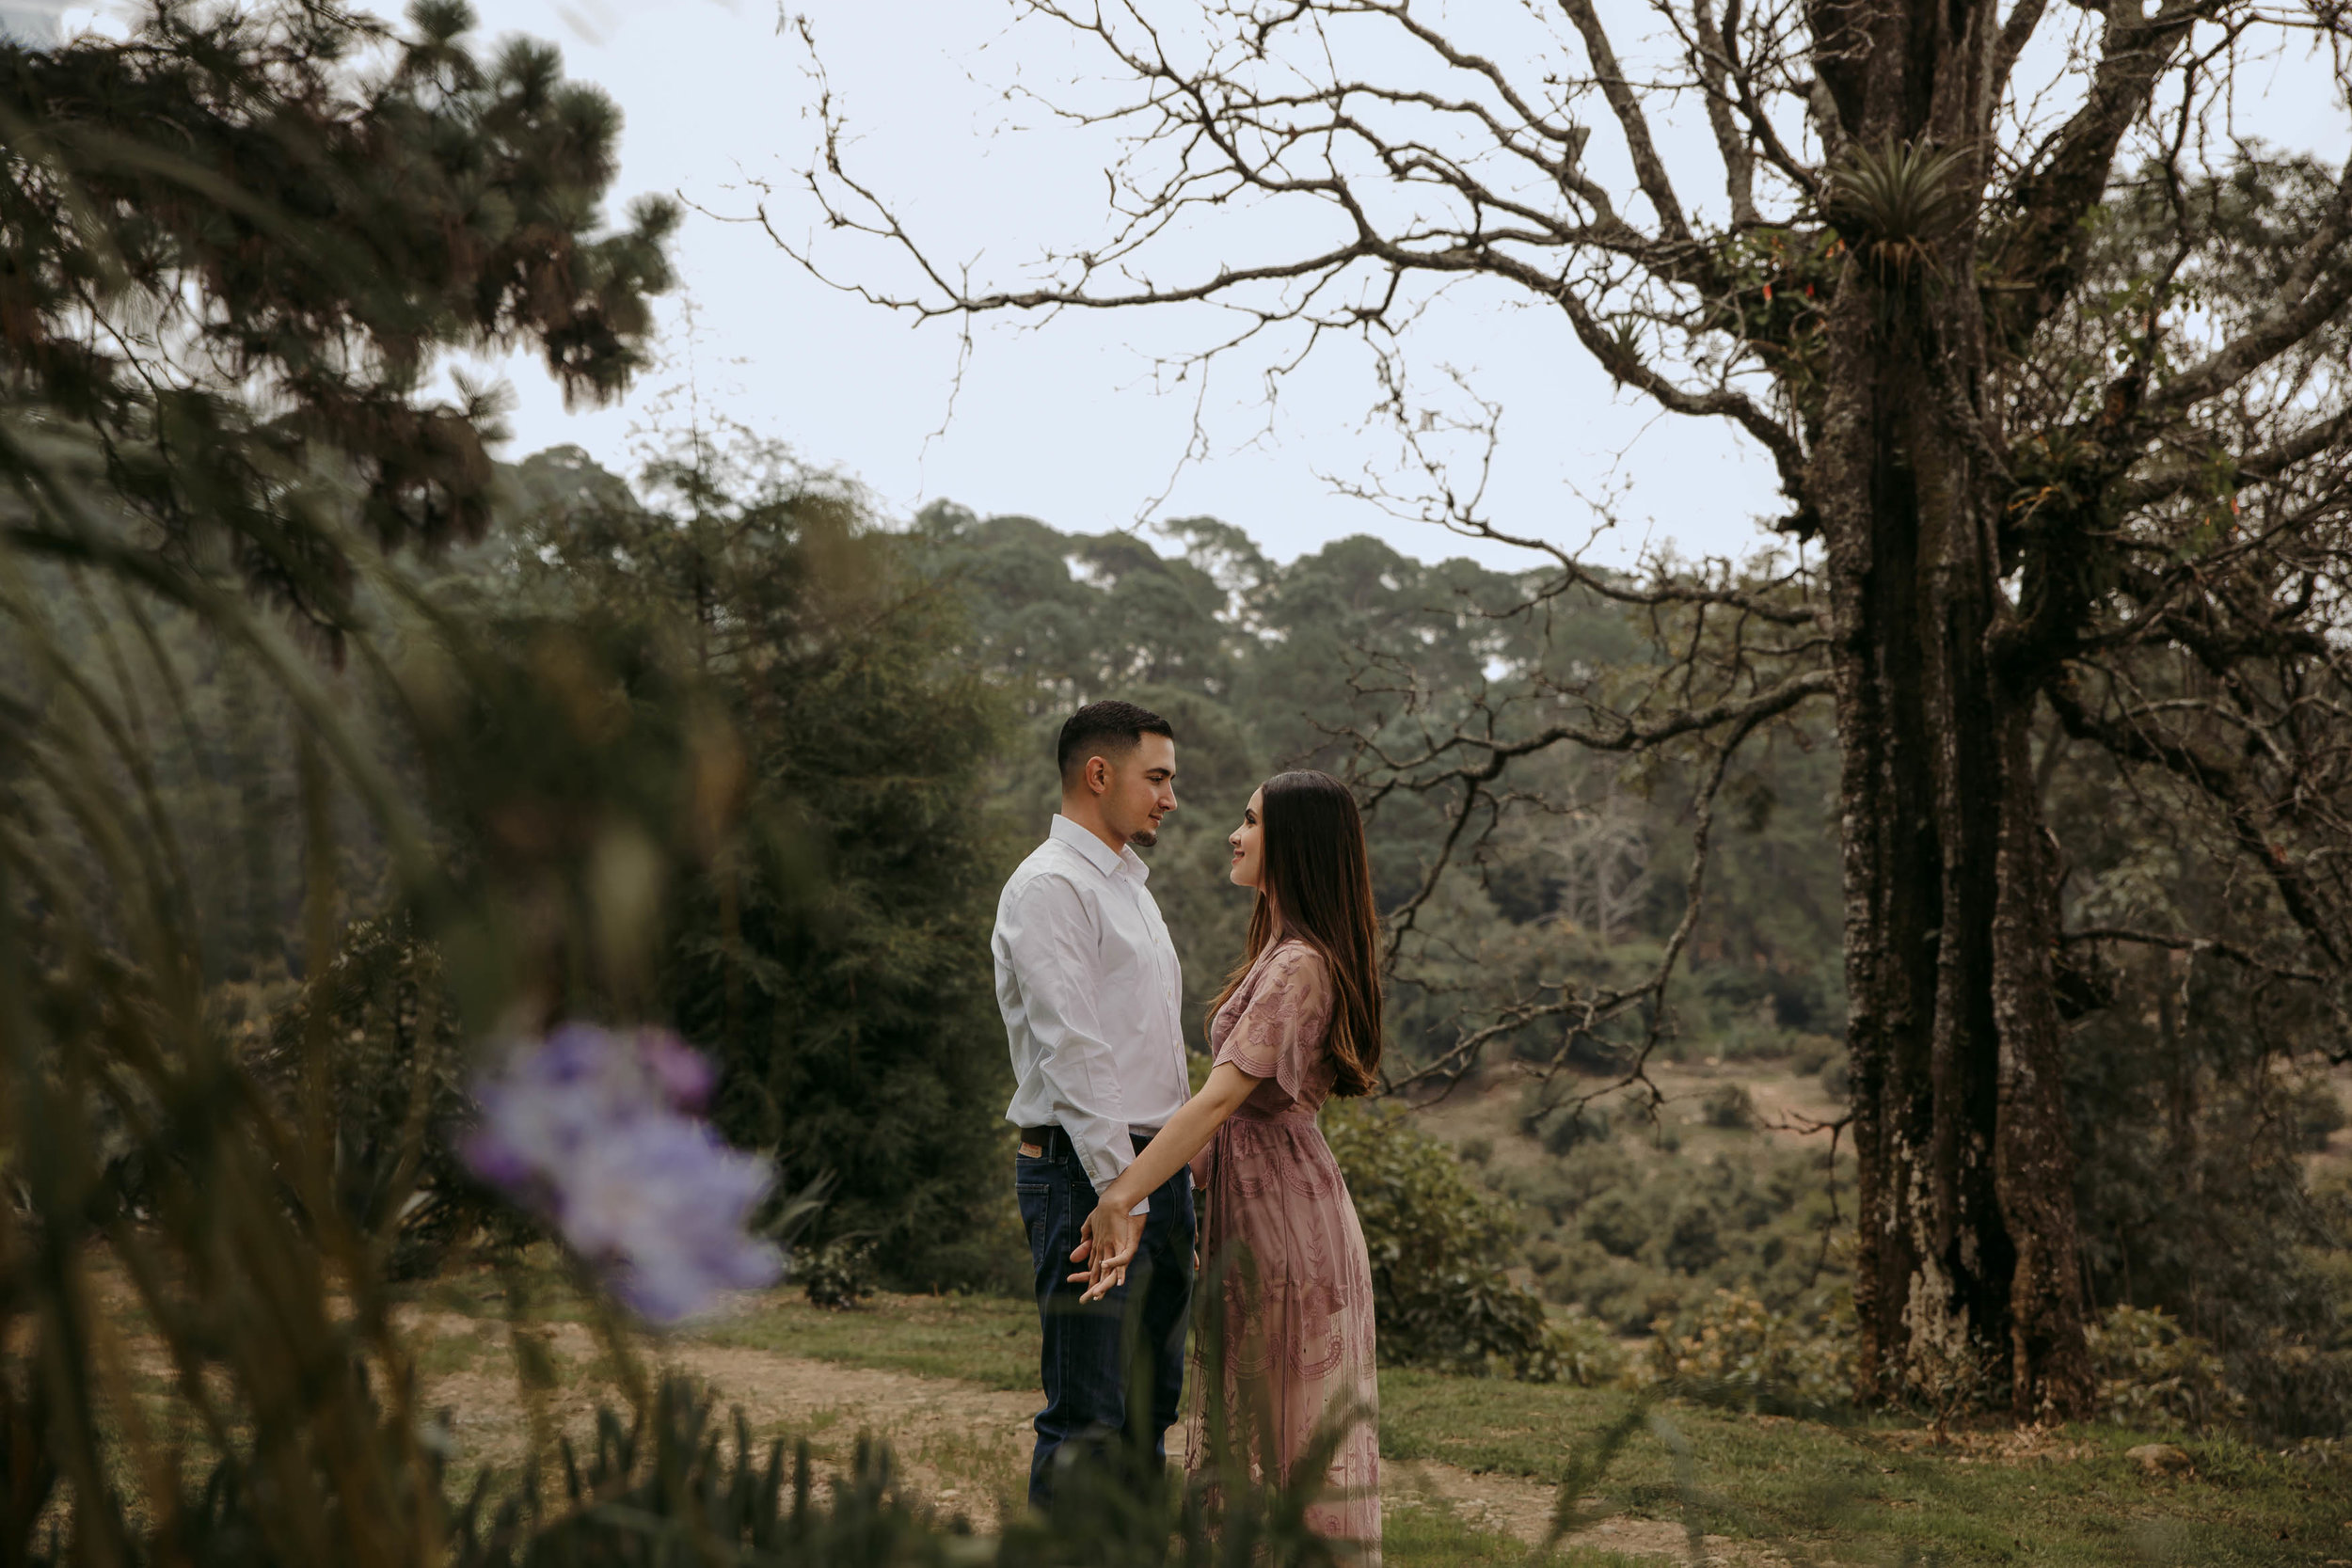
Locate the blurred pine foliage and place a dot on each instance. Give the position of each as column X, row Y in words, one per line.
column 235, row 245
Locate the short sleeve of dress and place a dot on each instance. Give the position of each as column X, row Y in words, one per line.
column 1279, row 1034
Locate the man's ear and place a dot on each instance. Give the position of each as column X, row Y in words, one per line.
column 1097, row 774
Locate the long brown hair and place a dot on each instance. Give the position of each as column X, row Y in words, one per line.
column 1316, row 873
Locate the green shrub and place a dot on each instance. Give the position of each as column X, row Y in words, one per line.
column 1629, row 1236
column 2153, row 1372
column 2294, row 1389
column 1748, row 1041
column 1695, row 1242
column 1740, row 1347
column 1730, row 1107
column 1581, row 1351
column 1439, row 1288
column 2194, row 1193
column 1571, row 1128
column 1562, row 1124
column 1810, row 1054
column 1618, row 1223
column 838, row 1275
column 391, row 1029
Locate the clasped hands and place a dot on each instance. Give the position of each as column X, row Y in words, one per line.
column 1107, row 1242
column 1108, row 1239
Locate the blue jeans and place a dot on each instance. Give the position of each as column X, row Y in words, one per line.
column 1086, row 1352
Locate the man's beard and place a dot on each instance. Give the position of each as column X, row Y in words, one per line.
column 1145, row 839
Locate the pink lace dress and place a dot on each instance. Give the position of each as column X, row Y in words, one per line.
column 1287, row 1284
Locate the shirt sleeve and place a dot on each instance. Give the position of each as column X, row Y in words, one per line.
column 1050, row 936
column 1279, row 1034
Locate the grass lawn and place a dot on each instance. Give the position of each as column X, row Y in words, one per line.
column 1873, row 1491
column 1870, row 1492
column 1880, row 1491
column 990, row 1340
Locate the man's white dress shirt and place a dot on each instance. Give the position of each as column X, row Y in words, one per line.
column 1091, row 990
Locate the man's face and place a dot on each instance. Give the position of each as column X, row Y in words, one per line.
column 1141, row 789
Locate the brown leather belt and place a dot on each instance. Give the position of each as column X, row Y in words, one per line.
column 1051, row 1143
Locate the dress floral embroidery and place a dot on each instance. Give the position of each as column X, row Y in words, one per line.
column 1290, row 1304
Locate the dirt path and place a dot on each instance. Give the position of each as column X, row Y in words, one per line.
column 962, row 1446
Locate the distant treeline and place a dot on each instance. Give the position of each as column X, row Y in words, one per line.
column 1262, row 665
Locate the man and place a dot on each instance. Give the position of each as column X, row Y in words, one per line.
column 1089, row 984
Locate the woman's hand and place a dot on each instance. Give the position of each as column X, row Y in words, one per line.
column 1109, row 1241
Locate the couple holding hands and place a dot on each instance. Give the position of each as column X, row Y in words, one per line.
column 1114, row 1145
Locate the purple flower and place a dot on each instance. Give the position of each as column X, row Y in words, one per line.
column 685, row 1074
column 593, row 1130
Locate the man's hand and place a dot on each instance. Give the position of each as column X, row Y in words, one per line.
column 1107, row 1243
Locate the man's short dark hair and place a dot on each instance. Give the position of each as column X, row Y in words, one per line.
column 1105, row 730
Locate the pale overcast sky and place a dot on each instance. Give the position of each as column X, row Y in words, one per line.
column 1065, row 422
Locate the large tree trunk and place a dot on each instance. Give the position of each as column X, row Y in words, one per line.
column 1921, row 805
column 1965, row 1277
column 2033, row 1159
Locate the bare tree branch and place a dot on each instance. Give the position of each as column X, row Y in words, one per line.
column 1649, row 170
column 1713, row 63
column 2314, row 291
column 2043, row 251
column 2220, row 949
column 2227, row 787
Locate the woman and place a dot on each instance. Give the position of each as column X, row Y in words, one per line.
column 1299, row 1020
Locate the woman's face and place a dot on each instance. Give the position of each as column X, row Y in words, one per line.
column 1248, row 842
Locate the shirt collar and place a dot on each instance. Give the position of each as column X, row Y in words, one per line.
column 1098, row 853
